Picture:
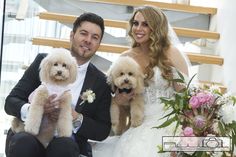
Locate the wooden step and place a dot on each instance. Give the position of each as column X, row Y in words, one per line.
column 223, row 89
column 187, row 32
column 194, row 57
column 162, row 5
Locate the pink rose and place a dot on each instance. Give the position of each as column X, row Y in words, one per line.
column 202, row 98
column 188, row 131
column 194, row 102
column 210, row 98
column 205, row 98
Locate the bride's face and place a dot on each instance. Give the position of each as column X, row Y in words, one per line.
column 140, row 29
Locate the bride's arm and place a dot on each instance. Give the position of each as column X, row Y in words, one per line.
column 179, row 62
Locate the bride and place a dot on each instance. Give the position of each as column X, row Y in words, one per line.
column 159, row 60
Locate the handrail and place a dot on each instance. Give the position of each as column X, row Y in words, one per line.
column 187, row 32
column 197, row 33
column 223, row 89
column 162, row 5
column 193, row 57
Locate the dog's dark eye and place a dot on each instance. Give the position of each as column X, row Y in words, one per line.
column 130, row 73
column 55, row 64
column 64, row 65
column 121, row 73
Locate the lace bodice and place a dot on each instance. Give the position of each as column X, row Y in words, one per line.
column 158, row 87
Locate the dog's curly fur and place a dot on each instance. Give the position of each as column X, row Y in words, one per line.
column 125, row 74
column 58, row 69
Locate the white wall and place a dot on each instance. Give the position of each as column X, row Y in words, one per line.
column 226, row 26
column 1, row 17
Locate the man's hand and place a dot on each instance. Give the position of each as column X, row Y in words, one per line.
column 52, row 108
column 74, row 114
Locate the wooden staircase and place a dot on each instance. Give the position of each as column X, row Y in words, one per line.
column 196, row 33
column 116, row 48
column 194, row 57
column 162, row 5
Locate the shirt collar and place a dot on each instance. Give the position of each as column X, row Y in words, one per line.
column 83, row 67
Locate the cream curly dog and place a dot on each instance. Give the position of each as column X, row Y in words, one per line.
column 57, row 71
column 125, row 75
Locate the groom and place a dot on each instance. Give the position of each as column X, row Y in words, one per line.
column 92, row 120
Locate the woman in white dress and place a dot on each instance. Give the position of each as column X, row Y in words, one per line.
column 159, row 59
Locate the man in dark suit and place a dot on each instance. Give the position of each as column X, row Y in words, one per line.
column 92, row 120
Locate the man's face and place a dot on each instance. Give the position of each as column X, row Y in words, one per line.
column 85, row 41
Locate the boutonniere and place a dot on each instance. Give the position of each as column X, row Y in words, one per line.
column 88, row 95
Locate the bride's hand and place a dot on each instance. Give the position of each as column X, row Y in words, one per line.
column 121, row 98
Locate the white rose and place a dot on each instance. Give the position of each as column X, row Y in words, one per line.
column 90, row 98
column 228, row 113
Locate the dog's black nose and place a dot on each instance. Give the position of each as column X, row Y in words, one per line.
column 126, row 81
column 59, row 72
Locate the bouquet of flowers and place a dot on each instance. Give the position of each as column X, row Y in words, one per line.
column 201, row 111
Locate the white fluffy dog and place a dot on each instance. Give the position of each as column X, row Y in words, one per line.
column 57, row 71
column 125, row 75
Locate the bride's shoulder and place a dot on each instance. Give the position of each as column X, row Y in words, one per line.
column 173, row 52
column 178, row 60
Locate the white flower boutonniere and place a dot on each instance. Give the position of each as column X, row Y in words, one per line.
column 88, row 95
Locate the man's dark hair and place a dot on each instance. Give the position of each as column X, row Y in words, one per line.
column 90, row 17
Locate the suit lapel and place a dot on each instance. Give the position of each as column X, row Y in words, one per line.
column 88, row 84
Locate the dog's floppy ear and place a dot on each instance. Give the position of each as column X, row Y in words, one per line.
column 45, row 66
column 73, row 70
column 110, row 79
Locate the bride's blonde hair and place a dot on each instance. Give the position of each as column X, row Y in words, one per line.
column 160, row 42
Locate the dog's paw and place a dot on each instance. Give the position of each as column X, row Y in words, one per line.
column 64, row 126
column 42, row 91
column 116, row 129
column 32, row 130
column 64, row 132
column 136, row 121
column 114, row 125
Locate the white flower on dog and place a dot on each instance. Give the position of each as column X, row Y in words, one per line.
column 88, row 95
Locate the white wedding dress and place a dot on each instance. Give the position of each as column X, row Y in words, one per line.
column 143, row 140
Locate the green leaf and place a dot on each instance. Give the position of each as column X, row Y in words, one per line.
column 176, row 127
column 221, row 127
column 160, row 149
column 181, row 104
column 178, row 80
column 173, row 112
column 233, row 99
column 191, row 80
column 166, row 101
column 233, row 138
column 233, row 125
column 199, row 154
column 180, row 75
column 167, row 123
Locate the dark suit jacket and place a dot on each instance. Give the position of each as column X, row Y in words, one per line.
column 96, row 116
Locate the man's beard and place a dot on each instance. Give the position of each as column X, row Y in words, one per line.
column 76, row 52
column 78, row 55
